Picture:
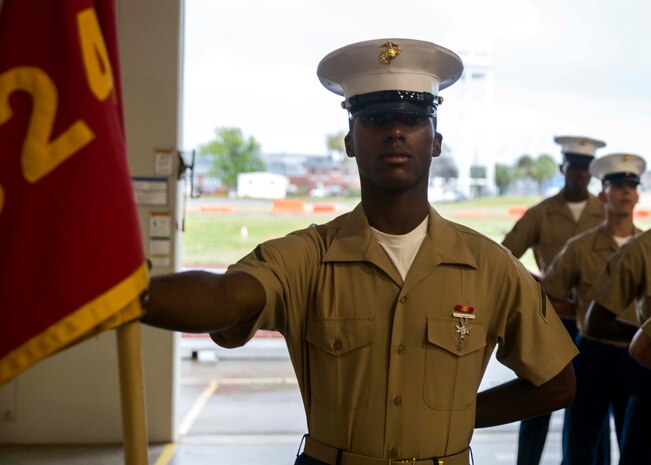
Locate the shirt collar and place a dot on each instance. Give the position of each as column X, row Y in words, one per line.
column 605, row 241
column 442, row 244
column 593, row 207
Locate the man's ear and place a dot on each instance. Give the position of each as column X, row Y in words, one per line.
column 438, row 143
column 348, row 142
column 602, row 197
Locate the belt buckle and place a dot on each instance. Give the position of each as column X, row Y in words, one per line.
column 414, row 460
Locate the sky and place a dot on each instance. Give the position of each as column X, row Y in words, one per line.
column 557, row 67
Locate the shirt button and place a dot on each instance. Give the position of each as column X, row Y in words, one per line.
column 336, row 345
column 401, row 349
column 403, row 299
column 397, row 401
column 393, row 452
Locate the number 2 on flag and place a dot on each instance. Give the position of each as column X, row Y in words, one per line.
column 40, row 155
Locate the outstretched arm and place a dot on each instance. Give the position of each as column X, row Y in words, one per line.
column 202, row 302
column 520, row 399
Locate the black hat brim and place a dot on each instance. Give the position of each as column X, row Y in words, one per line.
column 395, row 108
column 624, row 178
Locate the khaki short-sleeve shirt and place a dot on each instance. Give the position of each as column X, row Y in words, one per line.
column 627, row 278
column 576, row 267
column 547, row 226
column 381, row 365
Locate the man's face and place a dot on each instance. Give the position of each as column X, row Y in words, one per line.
column 393, row 150
column 577, row 177
column 620, row 197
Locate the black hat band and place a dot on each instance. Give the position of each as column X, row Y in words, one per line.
column 633, row 178
column 401, row 101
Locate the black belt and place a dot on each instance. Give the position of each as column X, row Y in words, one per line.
column 333, row 456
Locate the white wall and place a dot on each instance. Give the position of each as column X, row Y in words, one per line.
column 73, row 397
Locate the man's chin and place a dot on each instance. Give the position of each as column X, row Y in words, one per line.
column 576, row 188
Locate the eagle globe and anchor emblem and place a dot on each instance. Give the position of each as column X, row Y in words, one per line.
column 391, row 52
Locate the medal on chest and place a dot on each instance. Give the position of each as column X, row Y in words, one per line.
column 464, row 314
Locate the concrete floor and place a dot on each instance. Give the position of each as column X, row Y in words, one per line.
column 253, row 414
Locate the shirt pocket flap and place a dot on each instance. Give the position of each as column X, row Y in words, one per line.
column 339, row 336
column 444, row 334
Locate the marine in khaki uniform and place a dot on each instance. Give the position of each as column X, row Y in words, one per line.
column 390, row 312
column 545, row 228
column 573, row 272
column 625, row 279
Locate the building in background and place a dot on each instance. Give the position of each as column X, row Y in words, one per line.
column 315, row 175
column 262, row 185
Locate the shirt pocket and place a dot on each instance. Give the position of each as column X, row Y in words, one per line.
column 340, row 362
column 453, row 374
column 555, row 230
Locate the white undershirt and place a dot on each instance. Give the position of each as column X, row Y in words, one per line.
column 577, row 208
column 402, row 248
column 621, row 240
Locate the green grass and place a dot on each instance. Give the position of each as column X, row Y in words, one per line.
column 217, row 240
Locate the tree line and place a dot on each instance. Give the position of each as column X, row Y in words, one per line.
column 231, row 153
column 540, row 169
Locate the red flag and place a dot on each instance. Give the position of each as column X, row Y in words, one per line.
column 71, row 258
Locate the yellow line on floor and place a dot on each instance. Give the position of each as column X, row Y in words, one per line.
column 187, row 421
column 166, row 455
column 258, row 381
column 200, row 403
column 197, row 407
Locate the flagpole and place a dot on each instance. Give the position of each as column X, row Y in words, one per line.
column 132, row 394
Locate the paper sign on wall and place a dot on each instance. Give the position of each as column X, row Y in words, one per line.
column 160, row 243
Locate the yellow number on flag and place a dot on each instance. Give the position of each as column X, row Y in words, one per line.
column 96, row 59
column 40, row 156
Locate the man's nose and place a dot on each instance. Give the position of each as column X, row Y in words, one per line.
column 395, row 131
